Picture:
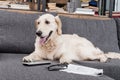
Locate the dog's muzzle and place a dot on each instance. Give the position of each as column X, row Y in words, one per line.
column 43, row 39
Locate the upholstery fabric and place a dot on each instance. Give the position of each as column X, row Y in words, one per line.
column 11, row 68
column 102, row 33
column 17, row 31
column 111, row 68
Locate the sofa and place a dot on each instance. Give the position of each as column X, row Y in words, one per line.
column 17, row 37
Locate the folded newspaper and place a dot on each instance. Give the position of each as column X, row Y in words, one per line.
column 83, row 70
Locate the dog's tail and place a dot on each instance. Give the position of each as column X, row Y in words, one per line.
column 113, row 55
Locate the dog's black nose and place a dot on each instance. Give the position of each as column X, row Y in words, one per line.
column 39, row 33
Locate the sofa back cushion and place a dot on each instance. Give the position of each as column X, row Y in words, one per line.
column 17, row 32
column 102, row 33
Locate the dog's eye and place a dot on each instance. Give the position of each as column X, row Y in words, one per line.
column 38, row 22
column 47, row 22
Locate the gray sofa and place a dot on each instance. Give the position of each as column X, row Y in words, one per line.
column 17, row 37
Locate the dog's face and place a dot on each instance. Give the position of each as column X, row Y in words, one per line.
column 47, row 25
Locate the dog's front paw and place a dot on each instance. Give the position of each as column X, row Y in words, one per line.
column 31, row 58
column 102, row 58
column 27, row 59
column 65, row 60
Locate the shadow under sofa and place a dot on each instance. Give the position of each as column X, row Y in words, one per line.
column 17, row 37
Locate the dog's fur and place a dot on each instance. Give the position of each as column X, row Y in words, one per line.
column 63, row 47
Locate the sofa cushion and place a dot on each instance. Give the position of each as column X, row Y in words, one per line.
column 111, row 68
column 102, row 33
column 11, row 68
column 17, row 31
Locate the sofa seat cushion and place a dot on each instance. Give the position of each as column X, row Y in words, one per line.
column 111, row 68
column 102, row 33
column 11, row 68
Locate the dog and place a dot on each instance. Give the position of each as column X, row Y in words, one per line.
column 51, row 44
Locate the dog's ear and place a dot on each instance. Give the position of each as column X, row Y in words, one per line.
column 58, row 21
column 36, row 23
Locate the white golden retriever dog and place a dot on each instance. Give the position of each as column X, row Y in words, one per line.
column 52, row 44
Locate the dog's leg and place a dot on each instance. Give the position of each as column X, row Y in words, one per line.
column 101, row 57
column 113, row 55
column 104, row 56
column 35, row 55
column 32, row 57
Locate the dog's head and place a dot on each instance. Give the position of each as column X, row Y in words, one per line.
column 47, row 26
